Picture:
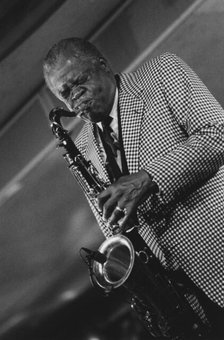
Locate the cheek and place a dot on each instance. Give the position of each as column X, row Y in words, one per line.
column 99, row 96
column 103, row 94
column 65, row 102
column 98, row 91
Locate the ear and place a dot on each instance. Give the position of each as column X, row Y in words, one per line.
column 104, row 65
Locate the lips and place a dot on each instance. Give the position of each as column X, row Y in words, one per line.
column 82, row 107
column 77, row 94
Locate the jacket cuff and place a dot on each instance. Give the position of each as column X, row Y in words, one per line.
column 155, row 202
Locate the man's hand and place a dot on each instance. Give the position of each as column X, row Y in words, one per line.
column 121, row 199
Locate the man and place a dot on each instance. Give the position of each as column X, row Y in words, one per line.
column 170, row 132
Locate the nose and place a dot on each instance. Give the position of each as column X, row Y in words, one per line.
column 74, row 101
column 76, row 93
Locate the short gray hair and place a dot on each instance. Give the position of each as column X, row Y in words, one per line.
column 75, row 47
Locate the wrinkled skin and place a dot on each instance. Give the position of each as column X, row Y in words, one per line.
column 87, row 87
column 127, row 193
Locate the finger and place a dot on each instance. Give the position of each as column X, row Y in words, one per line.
column 109, row 207
column 122, row 211
column 102, row 198
column 117, row 215
column 125, row 223
column 129, row 220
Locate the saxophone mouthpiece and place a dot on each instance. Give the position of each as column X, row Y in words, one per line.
column 58, row 112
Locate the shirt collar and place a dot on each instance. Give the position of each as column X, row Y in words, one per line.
column 113, row 112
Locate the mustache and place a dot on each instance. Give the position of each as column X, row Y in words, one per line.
column 82, row 105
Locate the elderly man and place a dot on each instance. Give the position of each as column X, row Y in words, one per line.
column 165, row 164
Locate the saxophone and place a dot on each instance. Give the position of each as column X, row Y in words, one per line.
column 164, row 300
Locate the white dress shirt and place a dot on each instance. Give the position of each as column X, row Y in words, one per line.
column 114, row 126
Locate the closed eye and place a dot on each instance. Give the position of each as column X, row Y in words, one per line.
column 81, row 79
column 65, row 92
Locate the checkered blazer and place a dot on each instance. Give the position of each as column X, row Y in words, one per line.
column 174, row 129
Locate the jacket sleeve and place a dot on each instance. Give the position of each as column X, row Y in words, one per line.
column 200, row 156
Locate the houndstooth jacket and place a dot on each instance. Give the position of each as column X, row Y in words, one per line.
column 174, row 129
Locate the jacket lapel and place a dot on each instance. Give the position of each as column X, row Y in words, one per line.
column 131, row 113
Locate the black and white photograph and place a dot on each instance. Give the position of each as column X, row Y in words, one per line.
column 112, row 170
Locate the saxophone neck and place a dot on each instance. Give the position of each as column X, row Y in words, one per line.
column 73, row 156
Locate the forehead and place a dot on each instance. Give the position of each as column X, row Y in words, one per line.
column 67, row 67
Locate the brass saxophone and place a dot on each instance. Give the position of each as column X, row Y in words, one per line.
column 163, row 299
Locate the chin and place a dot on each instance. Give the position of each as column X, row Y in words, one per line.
column 96, row 118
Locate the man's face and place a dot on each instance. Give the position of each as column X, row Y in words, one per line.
column 87, row 87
